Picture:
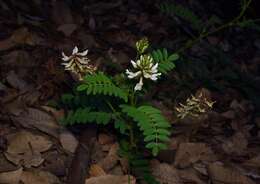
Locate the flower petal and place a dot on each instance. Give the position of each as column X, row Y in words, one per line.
column 138, row 63
column 154, row 77
column 146, row 75
column 134, row 64
column 149, row 58
column 139, row 85
column 83, row 61
column 154, row 68
column 84, row 53
column 75, row 50
column 64, row 57
column 132, row 75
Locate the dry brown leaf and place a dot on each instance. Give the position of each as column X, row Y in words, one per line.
column 190, row 176
column 92, row 23
column 124, row 164
column 6, row 44
column 15, row 81
column 236, row 145
column 11, row 177
column 189, row 153
column 235, row 105
column 253, row 162
column 15, row 107
column 88, row 40
column 106, row 147
column 18, row 58
column 257, row 121
column 25, row 141
column 37, row 119
column 58, row 114
column 230, row 114
column 177, row 140
column 3, row 87
column 67, row 29
column 61, row 13
column 97, row 153
column 201, row 168
column 22, row 36
column 100, row 7
column 220, row 174
column 105, row 139
column 118, row 57
column 39, row 177
column 25, row 148
column 68, row 141
column 55, row 162
column 28, row 159
column 117, row 170
column 204, row 93
column 111, row 159
column 5, row 165
column 164, row 173
column 111, row 179
column 95, row 170
column 123, row 37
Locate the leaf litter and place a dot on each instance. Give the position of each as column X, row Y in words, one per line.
column 221, row 148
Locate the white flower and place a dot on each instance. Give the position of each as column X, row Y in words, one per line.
column 81, row 57
column 139, row 85
column 146, row 69
column 78, row 62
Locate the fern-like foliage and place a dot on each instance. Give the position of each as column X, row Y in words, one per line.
column 166, row 61
column 142, row 166
column 99, row 83
column 151, row 122
column 79, row 100
column 251, row 24
column 69, row 101
column 137, row 163
column 85, row 115
column 72, row 101
column 172, row 9
column 121, row 125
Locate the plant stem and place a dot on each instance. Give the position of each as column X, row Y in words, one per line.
column 132, row 98
column 130, row 128
column 131, row 135
column 231, row 23
column 131, row 132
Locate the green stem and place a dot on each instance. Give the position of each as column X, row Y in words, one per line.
column 231, row 23
column 131, row 133
column 132, row 98
column 114, row 110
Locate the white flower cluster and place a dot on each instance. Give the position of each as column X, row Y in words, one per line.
column 78, row 63
column 145, row 69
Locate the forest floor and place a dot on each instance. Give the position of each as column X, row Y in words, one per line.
column 221, row 147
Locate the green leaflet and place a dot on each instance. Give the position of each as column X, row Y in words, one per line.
column 121, row 125
column 99, row 83
column 84, row 115
column 172, row 9
column 151, row 122
column 137, row 163
column 166, row 61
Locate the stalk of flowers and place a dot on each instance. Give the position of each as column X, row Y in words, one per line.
column 194, row 106
column 78, row 63
column 145, row 69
